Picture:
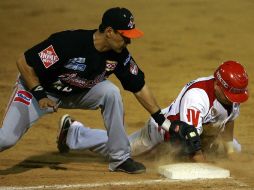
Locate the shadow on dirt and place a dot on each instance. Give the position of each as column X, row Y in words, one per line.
column 52, row 160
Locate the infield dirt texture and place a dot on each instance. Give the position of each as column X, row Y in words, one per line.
column 184, row 40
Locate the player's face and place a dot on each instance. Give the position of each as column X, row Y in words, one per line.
column 221, row 96
column 117, row 42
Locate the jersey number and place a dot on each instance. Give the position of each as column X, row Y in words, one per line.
column 192, row 116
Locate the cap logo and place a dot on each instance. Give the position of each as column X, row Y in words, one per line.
column 131, row 23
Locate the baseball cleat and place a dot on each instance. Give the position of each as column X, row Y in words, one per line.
column 131, row 167
column 64, row 125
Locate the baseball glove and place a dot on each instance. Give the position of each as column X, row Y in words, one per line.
column 188, row 136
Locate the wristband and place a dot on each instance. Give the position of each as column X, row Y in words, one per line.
column 158, row 117
column 38, row 92
column 161, row 120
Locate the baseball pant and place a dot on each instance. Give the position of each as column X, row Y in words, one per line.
column 23, row 110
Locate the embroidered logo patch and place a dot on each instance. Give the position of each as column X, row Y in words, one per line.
column 131, row 23
column 110, row 65
column 48, row 56
column 133, row 68
column 76, row 64
column 23, row 97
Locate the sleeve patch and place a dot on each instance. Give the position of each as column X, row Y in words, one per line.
column 133, row 67
column 48, row 56
column 111, row 65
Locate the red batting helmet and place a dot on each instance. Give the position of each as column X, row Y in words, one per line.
column 233, row 80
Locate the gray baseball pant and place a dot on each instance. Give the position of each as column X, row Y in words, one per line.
column 105, row 95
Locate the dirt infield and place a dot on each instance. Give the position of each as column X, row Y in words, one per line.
column 183, row 40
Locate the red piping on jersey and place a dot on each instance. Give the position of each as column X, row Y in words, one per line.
column 208, row 87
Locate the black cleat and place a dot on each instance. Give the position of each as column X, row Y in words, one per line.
column 131, row 167
column 64, row 125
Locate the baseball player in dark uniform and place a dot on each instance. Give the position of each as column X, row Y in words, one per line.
column 69, row 70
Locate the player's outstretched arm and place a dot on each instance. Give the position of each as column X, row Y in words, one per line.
column 228, row 141
column 147, row 100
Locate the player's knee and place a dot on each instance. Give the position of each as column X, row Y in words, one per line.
column 7, row 142
column 112, row 93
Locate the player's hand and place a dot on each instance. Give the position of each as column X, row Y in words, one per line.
column 48, row 103
column 188, row 135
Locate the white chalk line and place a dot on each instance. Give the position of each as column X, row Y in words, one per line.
column 93, row 185
column 89, row 185
column 240, row 183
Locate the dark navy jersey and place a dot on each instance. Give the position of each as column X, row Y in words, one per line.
column 67, row 62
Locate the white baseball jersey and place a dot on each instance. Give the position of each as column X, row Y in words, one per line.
column 197, row 105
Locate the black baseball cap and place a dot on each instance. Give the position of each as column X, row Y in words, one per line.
column 122, row 20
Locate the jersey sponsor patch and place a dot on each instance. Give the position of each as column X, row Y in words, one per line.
column 76, row 64
column 110, row 65
column 23, row 97
column 48, row 56
column 193, row 116
column 133, row 67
